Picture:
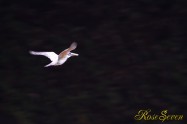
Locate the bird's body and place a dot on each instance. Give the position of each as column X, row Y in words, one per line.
column 58, row 59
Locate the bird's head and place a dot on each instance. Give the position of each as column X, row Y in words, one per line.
column 70, row 54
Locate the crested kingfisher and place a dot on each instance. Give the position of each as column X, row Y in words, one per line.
column 58, row 59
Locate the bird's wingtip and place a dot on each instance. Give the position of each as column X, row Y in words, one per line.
column 73, row 46
column 31, row 52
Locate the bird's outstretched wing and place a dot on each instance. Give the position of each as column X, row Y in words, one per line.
column 51, row 55
column 66, row 51
column 72, row 46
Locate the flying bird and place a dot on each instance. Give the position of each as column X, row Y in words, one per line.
column 58, row 59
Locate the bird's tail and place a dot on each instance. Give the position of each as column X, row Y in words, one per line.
column 50, row 64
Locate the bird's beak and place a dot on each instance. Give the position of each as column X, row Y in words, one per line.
column 74, row 54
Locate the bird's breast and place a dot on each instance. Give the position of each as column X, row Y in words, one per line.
column 62, row 60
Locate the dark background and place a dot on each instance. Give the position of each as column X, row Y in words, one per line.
column 132, row 57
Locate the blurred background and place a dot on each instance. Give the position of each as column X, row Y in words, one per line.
column 132, row 57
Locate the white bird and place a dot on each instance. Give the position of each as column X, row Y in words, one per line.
column 58, row 59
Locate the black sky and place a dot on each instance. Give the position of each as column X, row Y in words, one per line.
column 132, row 57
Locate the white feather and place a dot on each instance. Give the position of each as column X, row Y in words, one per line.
column 51, row 55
